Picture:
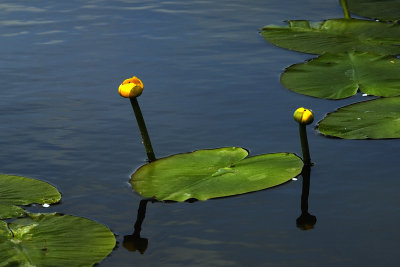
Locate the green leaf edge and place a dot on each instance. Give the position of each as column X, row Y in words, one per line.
column 317, row 126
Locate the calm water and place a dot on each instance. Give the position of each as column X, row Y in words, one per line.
column 210, row 81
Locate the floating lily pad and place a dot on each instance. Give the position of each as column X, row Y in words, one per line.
column 336, row 76
column 11, row 211
column 50, row 240
column 376, row 9
column 374, row 119
column 336, row 36
column 17, row 190
column 212, row 173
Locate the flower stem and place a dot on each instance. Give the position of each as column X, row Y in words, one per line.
column 304, row 144
column 143, row 130
column 345, row 8
column 305, row 192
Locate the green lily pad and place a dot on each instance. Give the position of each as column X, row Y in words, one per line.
column 336, row 76
column 212, row 173
column 388, row 10
column 50, row 240
column 11, row 211
column 17, row 190
column 336, row 36
column 374, row 119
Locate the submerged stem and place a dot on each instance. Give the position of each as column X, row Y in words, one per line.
column 345, row 8
column 143, row 130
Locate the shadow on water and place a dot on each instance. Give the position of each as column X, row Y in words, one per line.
column 305, row 221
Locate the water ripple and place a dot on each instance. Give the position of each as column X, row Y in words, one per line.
column 24, row 22
column 19, row 8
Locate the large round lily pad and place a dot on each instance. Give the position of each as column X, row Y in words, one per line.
column 336, row 36
column 17, row 190
column 336, row 76
column 212, row 173
column 374, row 119
column 50, row 240
column 376, row 9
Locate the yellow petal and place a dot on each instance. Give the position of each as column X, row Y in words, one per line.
column 132, row 87
column 303, row 116
column 130, row 90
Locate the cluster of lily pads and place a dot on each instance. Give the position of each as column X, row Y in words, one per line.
column 46, row 239
column 355, row 56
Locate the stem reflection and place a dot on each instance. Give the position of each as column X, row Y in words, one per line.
column 135, row 242
column 306, row 221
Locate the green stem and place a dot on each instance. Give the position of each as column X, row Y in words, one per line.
column 304, row 144
column 305, row 192
column 143, row 130
column 345, row 8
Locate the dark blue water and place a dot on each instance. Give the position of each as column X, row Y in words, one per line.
column 210, row 81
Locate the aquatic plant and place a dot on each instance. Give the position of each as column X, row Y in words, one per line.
column 304, row 117
column 209, row 173
column 132, row 88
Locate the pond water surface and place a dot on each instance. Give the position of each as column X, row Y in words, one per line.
column 210, row 81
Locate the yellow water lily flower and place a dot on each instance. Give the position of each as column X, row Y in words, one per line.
column 132, row 87
column 303, row 116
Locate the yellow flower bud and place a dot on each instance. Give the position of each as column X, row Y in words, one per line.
column 131, row 87
column 303, row 116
